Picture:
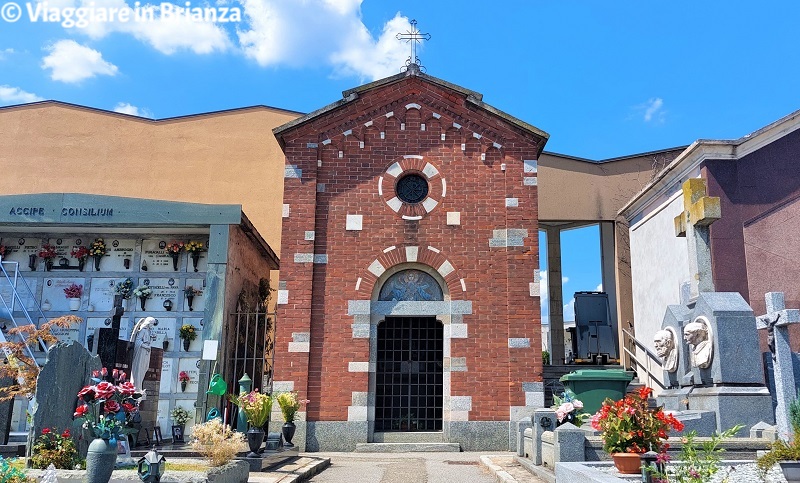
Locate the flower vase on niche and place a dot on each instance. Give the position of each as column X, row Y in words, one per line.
column 81, row 263
column 126, row 263
column 32, row 262
column 195, row 260
column 187, row 333
column 143, row 292
column 81, row 253
column 190, row 294
column 175, row 258
column 48, row 252
column 143, row 301
column 97, row 250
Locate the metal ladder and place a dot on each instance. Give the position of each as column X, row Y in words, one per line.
column 13, row 309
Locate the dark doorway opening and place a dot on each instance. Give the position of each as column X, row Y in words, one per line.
column 409, row 375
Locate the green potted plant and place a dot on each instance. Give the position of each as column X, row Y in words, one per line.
column 785, row 453
column 289, row 406
column 187, row 333
column 256, row 407
column 629, row 427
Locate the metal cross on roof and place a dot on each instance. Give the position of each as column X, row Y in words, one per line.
column 413, row 37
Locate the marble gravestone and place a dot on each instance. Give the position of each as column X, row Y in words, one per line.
column 731, row 388
column 68, row 369
column 777, row 321
column 677, row 388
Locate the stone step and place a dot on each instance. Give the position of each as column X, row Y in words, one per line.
column 408, row 447
column 408, row 437
column 17, row 437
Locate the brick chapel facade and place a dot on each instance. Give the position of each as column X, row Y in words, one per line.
column 408, row 302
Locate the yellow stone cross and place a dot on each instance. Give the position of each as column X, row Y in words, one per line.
column 699, row 212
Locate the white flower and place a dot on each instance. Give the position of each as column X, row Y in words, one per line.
column 577, row 404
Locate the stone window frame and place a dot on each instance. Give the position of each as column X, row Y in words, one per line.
column 412, row 164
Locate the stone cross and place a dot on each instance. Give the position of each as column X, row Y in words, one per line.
column 699, row 212
column 777, row 320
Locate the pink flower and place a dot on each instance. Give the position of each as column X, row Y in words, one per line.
column 596, row 422
column 577, row 404
column 105, row 390
column 95, row 374
column 567, row 407
column 104, row 372
column 128, row 407
column 560, row 414
column 112, row 406
column 87, row 394
column 127, row 388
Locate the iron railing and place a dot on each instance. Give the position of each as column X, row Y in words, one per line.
column 650, row 363
column 250, row 343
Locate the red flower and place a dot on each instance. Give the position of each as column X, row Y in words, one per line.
column 112, row 406
column 66, row 434
column 81, row 410
column 87, row 393
column 127, row 389
column 105, row 390
column 46, row 431
column 96, row 374
column 128, row 407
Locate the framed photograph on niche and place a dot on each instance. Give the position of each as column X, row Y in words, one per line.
column 177, row 434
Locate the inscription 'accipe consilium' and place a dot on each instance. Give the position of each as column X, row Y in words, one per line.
column 78, row 211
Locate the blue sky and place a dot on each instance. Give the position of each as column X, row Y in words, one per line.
column 603, row 78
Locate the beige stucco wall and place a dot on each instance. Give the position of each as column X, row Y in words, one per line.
column 227, row 158
column 577, row 190
column 659, row 264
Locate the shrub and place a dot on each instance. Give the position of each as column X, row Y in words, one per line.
column 217, row 442
column 55, row 448
column 697, row 462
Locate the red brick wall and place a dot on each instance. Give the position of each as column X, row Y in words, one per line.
column 497, row 279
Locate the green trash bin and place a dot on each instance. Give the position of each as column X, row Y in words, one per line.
column 593, row 386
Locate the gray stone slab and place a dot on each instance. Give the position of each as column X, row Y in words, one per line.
column 67, row 370
column 301, row 336
column 734, row 405
column 292, row 171
column 321, row 258
column 303, row 257
column 569, row 442
column 515, row 241
column 358, row 307
column 480, row 435
column 497, row 243
column 532, row 386
column 408, row 448
column 335, row 435
column 577, row 472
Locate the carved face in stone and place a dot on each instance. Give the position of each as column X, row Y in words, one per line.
column 663, row 343
column 695, row 333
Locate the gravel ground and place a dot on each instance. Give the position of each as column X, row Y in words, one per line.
column 731, row 472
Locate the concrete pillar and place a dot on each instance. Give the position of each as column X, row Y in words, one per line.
column 542, row 420
column 569, row 442
column 556, row 297
column 624, row 287
column 608, row 260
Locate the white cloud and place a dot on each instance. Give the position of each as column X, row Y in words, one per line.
column 71, row 62
column 166, row 33
column 126, row 108
column 653, row 110
column 599, row 287
column 15, row 95
column 569, row 310
column 564, row 280
column 313, row 32
column 5, row 53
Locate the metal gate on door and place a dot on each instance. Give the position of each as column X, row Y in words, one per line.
column 409, row 374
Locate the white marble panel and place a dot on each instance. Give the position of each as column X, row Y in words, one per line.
column 53, row 291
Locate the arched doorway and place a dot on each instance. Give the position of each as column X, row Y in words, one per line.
column 409, row 378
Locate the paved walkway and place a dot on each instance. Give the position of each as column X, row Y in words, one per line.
column 399, row 468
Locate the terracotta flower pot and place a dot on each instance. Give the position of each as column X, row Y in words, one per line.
column 627, row 463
